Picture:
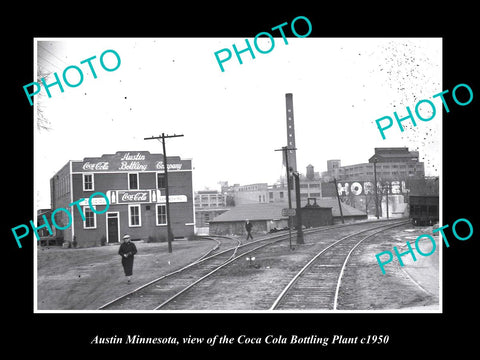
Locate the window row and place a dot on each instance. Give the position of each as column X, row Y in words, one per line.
column 133, row 182
column 134, row 216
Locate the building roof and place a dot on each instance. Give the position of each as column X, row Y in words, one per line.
column 346, row 209
column 394, row 153
column 253, row 212
column 273, row 211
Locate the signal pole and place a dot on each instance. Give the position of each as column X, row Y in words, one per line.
column 300, row 239
column 284, row 149
column 167, row 202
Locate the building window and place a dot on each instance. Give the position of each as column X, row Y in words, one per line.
column 133, row 181
column 88, row 184
column 90, row 218
column 161, row 214
column 161, row 181
column 134, row 216
column 281, row 194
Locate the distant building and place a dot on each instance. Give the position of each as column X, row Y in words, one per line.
column 208, row 205
column 209, row 199
column 391, row 164
column 310, row 187
column 245, row 194
column 396, row 169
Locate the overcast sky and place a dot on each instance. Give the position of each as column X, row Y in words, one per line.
column 233, row 121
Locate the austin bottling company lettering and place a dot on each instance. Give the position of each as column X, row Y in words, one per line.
column 160, row 166
column 129, row 157
column 133, row 165
column 129, row 162
column 134, row 162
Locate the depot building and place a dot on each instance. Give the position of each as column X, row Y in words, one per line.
column 134, row 184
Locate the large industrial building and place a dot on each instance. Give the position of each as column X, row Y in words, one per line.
column 134, row 184
column 397, row 171
column 391, row 164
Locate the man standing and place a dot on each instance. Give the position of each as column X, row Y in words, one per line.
column 248, row 227
column 127, row 251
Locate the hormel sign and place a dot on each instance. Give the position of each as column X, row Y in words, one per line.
column 367, row 187
column 356, row 188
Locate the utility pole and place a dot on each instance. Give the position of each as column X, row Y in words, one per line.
column 167, row 201
column 338, row 198
column 388, row 190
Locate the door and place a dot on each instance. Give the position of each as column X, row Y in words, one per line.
column 113, row 227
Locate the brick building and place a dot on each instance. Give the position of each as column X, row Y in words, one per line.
column 134, row 184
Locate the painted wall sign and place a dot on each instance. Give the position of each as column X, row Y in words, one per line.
column 140, row 196
column 130, row 161
column 133, row 196
column 364, row 188
column 94, row 201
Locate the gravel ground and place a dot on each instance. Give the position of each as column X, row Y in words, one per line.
column 241, row 286
column 85, row 279
column 415, row 286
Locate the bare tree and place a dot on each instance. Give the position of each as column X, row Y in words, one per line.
column 42, row 121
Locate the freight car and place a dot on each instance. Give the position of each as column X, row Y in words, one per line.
column 423, row 209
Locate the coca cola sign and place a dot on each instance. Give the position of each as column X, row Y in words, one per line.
column 101, row 165
column 133, row 196
column 141, row 196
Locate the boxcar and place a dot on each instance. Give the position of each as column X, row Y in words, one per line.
column 424, row 209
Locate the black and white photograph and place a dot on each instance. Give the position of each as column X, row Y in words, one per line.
column 273, row 184
column 282, row 189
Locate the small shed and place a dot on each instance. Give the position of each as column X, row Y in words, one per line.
column 350, row 214
column 263, row 217
column 313, row 215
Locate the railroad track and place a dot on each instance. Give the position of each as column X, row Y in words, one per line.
column 317, row 284
column 163, row 292
column 159, row 292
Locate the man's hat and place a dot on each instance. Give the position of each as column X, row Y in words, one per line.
column 126, row 237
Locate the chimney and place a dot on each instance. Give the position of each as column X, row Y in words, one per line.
column 310, row 172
